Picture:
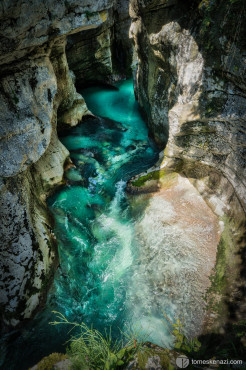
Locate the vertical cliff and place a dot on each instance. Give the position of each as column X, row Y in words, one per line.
column 190, row 82
column 36, row 93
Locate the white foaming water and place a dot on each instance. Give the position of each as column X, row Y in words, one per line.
column 123, row 236
column 135, row 265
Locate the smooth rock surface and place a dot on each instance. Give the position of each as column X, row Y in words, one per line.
column 189, row 84
column 179, row 235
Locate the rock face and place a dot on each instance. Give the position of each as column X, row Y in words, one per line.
column 190, row 82
column 191, row 79
column 37, row 92
column 89, row 53
column 105, row 53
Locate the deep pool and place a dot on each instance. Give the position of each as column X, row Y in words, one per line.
column 94, row 225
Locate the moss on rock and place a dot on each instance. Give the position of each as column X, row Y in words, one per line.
column 48, row 362
column 155, row 175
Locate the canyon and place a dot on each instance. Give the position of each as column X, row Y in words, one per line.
column 188, row 60
column 37, row 96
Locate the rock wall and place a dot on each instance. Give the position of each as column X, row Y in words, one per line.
column 36, row 92
column 190, row 82
column 89, row 53
column 105, row 53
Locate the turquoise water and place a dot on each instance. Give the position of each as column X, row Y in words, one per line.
column 98, row 250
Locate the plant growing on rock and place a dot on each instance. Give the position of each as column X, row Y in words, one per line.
column 181, row 342
column 89, row 349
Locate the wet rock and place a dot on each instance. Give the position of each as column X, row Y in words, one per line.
column 129, row 148
column 104, row 53
column 179, row 263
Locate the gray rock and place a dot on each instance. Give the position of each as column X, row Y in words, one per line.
column 192, row 87
column 154, row 363
column 190, row 82
column 63, row 365
column 37, row 93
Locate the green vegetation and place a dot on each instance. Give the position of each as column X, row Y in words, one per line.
column 13, row 95
column 163, row 176
column 91, row 350
column 219, row 279
column 155, row 175
column 181, row 342
column 151, row 350
column 206, row 6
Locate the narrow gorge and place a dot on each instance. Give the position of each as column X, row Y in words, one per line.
column 122, row 175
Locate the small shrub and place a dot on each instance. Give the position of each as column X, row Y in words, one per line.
column 181, row 342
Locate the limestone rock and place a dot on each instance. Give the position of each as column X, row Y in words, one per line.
column 180, row 262
column 89, row 53
column 105, row 53
column 190, row 82
column 25, row 25
column 37, row 92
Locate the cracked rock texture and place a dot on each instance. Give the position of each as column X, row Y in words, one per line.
column 36, row 93
column 190, row 82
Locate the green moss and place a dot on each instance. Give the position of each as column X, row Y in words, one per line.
column 220, row 279
column 204, row 3
column 143, row 356
column 164, row 178
column 155, row 175
column 47, row 363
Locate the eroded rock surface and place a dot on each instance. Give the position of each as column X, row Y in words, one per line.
column 105, row 53
column 190, row 82
column 36, row 91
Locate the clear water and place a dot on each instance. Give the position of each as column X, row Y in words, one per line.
column 99, row 253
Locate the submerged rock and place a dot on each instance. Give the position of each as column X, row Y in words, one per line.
column 179, row 235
